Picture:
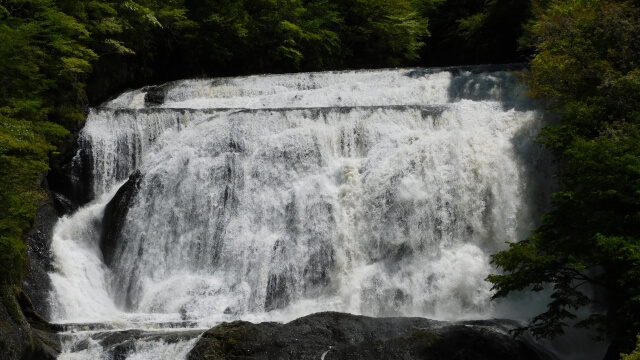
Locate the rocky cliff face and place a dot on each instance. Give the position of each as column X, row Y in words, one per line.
column 332, row 335
column 36, row 283
column 24, row 334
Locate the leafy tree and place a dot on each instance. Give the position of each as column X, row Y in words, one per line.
column 287, row 35
column 44, row 62
column 586, row 66
column 465, row 32
column 137, row 41
column 255, row 36
column 381, row 32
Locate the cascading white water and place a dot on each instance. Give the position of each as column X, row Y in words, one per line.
column 270, row 197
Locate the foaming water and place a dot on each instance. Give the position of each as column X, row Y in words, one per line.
column 380, row 193
column 76, row 251
column 81, row 346
column 249, row 212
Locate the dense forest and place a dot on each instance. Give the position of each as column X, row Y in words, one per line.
column 58, row 57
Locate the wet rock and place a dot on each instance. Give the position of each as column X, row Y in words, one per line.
column 63, row 205
column 71, row 176
column 154, row 95
column 332, row 336
column 24, row 337
column 115, row 214
column 24, row 332
column 36, row 282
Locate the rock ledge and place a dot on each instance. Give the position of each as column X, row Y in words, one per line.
column 330, row 336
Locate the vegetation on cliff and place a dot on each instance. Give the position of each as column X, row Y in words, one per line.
column 586, row 67
column 41, row 88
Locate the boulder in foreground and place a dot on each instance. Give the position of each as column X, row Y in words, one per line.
column 330, row 336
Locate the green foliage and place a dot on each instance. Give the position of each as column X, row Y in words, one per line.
column 635, row 355
column 465, row 32
column 289, row 35
column 284, row 31
column 41, row 85
column 381, row 32
column 586, row 67
column 23, row 157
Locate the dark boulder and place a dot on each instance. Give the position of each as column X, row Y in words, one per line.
column 36, row 282
column 24, row 332
column 24, row 335
column 115, row 215
column 330, row 336
column 71, row 175
column 154, row 95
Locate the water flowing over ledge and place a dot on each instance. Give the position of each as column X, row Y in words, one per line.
column 380, row 192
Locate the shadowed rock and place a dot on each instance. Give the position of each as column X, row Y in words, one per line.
column 115, row 214
column 155, row 95
column 331, row 335
column 24, row 335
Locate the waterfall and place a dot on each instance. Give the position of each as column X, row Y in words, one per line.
column 380, row 192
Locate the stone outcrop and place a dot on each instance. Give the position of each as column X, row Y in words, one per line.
column 154, row 95
column 36, row 283
column 115, row 214
column 24, row 334
column 71, row 176
column 330, row 336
